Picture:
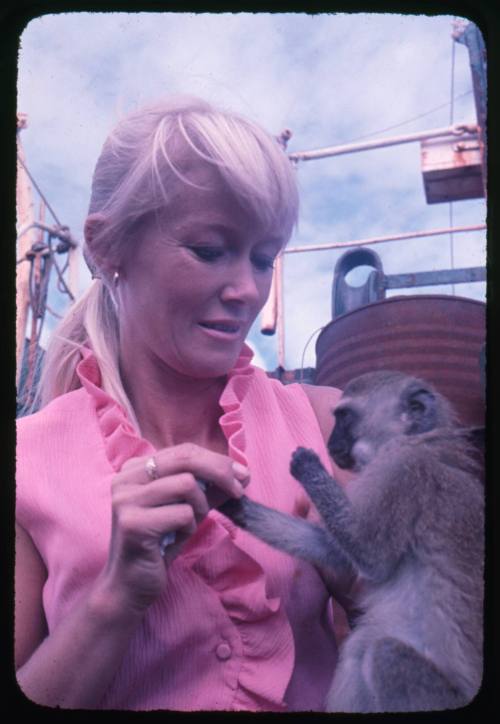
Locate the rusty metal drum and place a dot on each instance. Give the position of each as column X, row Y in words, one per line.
column 439, row 338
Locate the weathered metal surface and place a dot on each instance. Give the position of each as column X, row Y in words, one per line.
column 470, row 35
column 346, row 297
column 436, row 337
column 430, row 278
column 451, row 169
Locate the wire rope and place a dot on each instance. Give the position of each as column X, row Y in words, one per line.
column 452, row 112
column 304, row 351
column 40, row 192
column 410, row 120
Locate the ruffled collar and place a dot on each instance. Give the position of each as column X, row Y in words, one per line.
column 121, row 438
column 238, row 383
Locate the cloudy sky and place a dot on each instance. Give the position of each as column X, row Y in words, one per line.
column 330, row 78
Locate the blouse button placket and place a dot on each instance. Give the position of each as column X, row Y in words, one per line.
column 223, row 652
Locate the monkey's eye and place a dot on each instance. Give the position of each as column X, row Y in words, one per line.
column 419, row 401
column 421, row 409
column 416, row 406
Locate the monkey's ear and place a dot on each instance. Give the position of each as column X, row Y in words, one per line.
column 421, row 408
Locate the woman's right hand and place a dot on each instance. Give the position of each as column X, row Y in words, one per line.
column 145, row 509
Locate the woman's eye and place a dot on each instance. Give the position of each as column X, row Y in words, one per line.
column 263, row 263
column 207, row 253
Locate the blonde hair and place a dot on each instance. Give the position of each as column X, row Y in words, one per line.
column 142, row 166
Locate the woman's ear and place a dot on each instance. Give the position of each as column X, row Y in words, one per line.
column 99, row 253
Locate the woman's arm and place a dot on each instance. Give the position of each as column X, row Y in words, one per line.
column 72, row 667
column 30, row 576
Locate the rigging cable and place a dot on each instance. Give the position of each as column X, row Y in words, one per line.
column 39, row 190
column 450, row 204
column 409, row 120
column 304, row 352
column 61, row 284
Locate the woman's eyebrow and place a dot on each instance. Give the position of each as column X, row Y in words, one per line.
column 204, row 225
column 213, row 223
column 276, row 243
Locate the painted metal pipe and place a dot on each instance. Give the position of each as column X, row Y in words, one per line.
column 381, row 239
column 456, row 130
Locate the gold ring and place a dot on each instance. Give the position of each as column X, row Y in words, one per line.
column 151, row 468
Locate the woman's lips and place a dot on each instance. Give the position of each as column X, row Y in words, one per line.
column 222, row 328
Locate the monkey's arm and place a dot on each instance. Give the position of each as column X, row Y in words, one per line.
column 327, row 495
column 336, row 510
column 291, row 535
column 324, row 491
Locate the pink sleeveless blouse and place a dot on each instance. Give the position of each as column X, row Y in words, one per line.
column 240, row 626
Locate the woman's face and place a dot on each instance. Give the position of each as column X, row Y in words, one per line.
column 189, row 291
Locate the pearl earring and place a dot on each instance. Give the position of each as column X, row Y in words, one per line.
column 116, row 277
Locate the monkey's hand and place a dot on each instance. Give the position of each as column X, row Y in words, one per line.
column 324, row 491
column 238, row 512
column 306, row 467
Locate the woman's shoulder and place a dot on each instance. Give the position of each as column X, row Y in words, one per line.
column 58, row 413
column 322, row 395
column 323, row 400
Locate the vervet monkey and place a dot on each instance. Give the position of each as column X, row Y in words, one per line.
column 410, row 524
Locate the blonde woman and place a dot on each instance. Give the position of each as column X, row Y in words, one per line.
column 132, row 590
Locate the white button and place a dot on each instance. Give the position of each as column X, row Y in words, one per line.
column 223, row 652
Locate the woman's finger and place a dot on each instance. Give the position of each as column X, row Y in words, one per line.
column 206, row 465
column 179, row 488
column 144, row 528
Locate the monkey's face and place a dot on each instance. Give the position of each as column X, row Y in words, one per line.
column 376, row 408
column 343, row 437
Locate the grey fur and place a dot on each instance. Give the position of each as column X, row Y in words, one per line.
column 411, row 524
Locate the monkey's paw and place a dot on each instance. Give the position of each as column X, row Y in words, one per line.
column 236, row 510
column 305, row 465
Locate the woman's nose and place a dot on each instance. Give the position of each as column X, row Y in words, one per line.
column 241, row 284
